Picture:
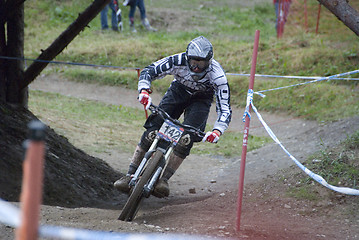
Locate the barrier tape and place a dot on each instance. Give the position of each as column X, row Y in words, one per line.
column 299, row 84
column 117, row 67
column 10, row 216
column 316, row 177
column 289, row 77
column 249, row 100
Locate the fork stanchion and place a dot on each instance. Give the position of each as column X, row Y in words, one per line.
column 31, row 193
column 246, row 133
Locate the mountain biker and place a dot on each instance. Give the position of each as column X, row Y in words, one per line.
column 197, row 79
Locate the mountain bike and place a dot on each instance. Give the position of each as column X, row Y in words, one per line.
column 144, row 180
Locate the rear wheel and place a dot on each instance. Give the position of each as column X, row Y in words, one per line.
column 133, row 202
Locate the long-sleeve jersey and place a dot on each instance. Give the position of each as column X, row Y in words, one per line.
column 215, row 80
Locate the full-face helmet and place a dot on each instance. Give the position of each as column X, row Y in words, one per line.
column 199, row 55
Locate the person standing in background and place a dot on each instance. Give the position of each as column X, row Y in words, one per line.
column 141, row 6
column 114, row 22
column 281, row 11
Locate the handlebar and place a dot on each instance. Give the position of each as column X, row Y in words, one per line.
column 157, row 110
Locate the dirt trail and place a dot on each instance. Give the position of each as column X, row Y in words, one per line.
column 299, row 136
column 213, row 179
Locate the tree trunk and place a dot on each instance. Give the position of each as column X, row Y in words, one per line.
column 14, row 69
column 2, row 52
column 344, row 12
column 63, row 40
column 14, row 80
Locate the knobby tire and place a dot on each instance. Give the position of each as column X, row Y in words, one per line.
column 133, row 202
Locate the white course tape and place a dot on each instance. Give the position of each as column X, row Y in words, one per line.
column 82, row 234
column 10, row 216
column 289, row 77
column 316, row 177
column 249, row 100
column 260, row 93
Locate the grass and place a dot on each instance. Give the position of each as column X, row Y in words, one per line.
column 230, row 144
column 338, row 166
column 89, row 125
column 304, row 192
column 230, row 25
column 98, row 127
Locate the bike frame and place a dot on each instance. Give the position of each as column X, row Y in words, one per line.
column 167, row 153
column 150, row 169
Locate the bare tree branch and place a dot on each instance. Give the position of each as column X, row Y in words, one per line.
column 14, row 69
column 63, row 40
column 2, row 51
column 7, row 8
column 344, row 12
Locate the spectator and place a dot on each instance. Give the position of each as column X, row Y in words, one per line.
column 114, row 22
column 281, row 11
column 141, row 6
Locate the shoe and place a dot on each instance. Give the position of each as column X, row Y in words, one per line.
column 120, row 26
column 132, row 28
column 162, row 189
column 122, row 184
column 148, row 26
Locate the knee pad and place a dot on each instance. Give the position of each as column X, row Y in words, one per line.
column 147, row 138
column 184, row 146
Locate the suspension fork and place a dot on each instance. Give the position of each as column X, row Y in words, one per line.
column 149, row 187
column 147, row 156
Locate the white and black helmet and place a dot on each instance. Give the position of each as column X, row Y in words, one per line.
column 199, row 54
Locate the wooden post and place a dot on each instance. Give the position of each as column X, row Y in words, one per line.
column 31, row 193
column 305, row 16
column 246, row 133
column 318, row 18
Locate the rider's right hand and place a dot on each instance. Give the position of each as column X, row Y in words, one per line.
column 145, row 98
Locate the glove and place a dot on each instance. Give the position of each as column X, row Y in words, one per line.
column 211, row 137
column 145, row 98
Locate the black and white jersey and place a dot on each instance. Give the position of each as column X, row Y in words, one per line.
column 215, row 80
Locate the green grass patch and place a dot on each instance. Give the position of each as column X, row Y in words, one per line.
column 230, row 144
column 89, row 125
column 124, row 78
column 305, row 192
column 339, row 166
column 230, row 26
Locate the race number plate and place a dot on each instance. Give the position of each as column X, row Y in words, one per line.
column 170, row 132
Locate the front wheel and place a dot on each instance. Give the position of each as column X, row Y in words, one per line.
column 133, row 202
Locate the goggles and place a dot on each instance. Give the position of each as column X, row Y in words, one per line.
column 198, row 65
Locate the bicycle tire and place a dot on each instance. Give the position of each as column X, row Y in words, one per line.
column 133, row 202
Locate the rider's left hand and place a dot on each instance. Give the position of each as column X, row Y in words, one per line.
column 212, row 137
